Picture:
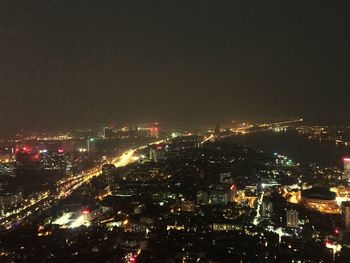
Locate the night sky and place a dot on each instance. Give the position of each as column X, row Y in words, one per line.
column 80, row 63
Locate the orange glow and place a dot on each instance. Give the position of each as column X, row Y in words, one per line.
column 292, row 197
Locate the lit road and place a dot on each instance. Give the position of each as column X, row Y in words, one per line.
column 277, row 230
column 39, row 203
column 258, row 208
column 211, row 137
column 264, row 127
column 65, row 186
column 125, row 159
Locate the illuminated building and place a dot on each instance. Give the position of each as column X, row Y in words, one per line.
column 343, row 192
column 320, row 199
column 109, row 133
column 86, row 214
column 346, row 214
column 268, row 183
column 187, row 206
column 188, row 141
column 202, row 198
column 156, row 154
column 266, row 208
column 226, row 226
column 292, row 218
column 91, row 144
column 54, row 160
column 219, row 197
column 108, row 170
column 225, row 178
column 7, row 169
column 346, row 174
column 154, row 132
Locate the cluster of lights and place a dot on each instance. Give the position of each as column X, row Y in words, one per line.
column 74, row 182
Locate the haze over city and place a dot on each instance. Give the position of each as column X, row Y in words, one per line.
column 174, row 131
column 79, row 63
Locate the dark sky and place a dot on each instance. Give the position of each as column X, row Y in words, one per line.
column 78, row 63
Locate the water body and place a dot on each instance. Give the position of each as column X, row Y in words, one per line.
column 298, row 148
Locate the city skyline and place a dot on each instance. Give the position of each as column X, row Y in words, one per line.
column 135, row 194
column 174, row 131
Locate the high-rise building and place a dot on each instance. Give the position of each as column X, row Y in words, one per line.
column 292, row 218
column 219, row 197
column 346, row 214
column 109, row 133
column 266, row 208
column 154, row 132
column 91, row 144
column 225, row 178
column 346, row 174
column 202, row 198
column 156, row 154
column 108, row 170
column 217, row 130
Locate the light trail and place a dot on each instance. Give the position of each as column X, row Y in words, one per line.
column 125, row 159
column 32, row 202
column 208, row 138
column 75, row 182
column 258, row 207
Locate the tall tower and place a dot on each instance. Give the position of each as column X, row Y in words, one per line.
column 292, row 218
column 346, row 174
column 266, row 208
column 91, row 144
column 217, row 130
column 154, row 132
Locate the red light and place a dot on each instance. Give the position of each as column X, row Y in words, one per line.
column 85, row 212
column 346, row 159
column 233, row 187
column 26, row 149
column 327, row 243
column 336, row 231
column 132, row 259
column 60, row 150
